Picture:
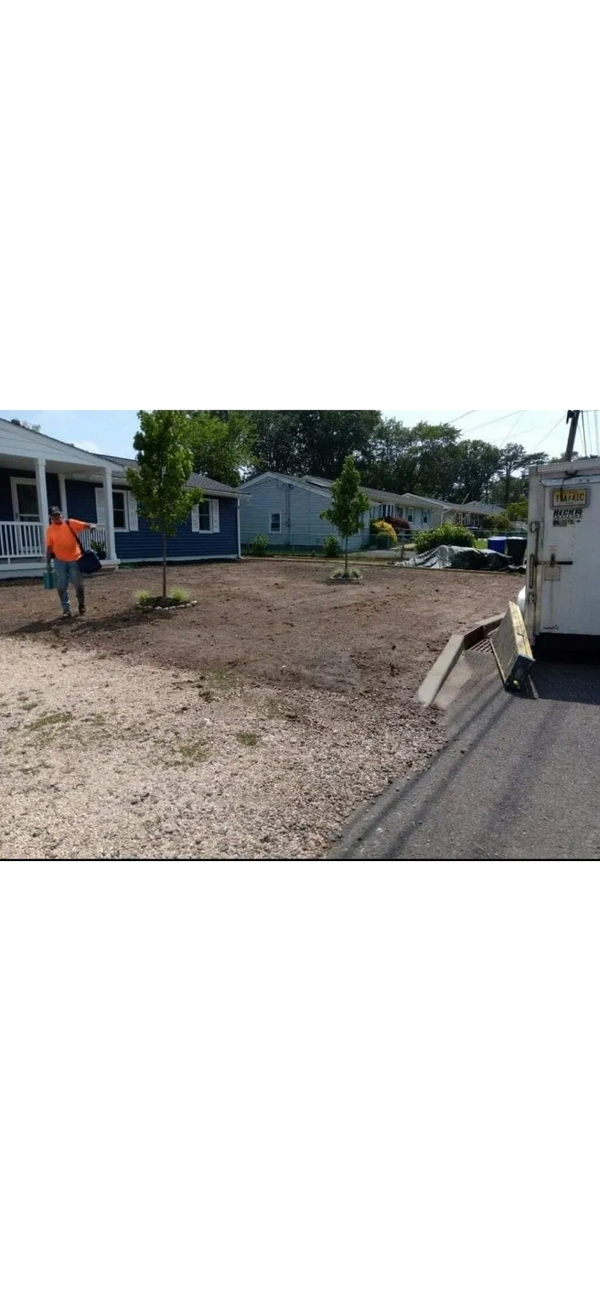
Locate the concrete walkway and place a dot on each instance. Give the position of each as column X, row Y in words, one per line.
column 517, row 779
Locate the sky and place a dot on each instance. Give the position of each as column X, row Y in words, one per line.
column 112, row 431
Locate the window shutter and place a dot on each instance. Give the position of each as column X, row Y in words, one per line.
column 215, row 526
column 195, row 519
column 133, row 513
column 100, row 507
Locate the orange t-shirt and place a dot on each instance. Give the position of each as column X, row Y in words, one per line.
column 61, row 541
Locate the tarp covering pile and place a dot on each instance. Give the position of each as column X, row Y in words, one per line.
column 458, row 558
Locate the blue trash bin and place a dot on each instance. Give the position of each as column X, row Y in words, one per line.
column 497, row 544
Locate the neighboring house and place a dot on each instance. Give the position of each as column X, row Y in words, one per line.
column 37, row 472
column 288, row 510
column 474, row 514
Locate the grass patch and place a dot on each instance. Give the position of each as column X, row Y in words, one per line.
column 194, row 751
column 217, row 678
column 179, row 595
column 143, row 597
column 50, row 720
column 247, row 738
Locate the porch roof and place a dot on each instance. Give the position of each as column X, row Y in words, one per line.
column 20, row 446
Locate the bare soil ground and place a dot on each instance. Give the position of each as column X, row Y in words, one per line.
column 248, row 726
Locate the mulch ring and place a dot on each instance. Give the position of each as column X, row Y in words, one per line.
column 162, row 603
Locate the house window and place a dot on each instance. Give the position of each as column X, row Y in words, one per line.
column 275, row 525
column 410, row 517
column 204, row 523
column 426, row 517
column 120, row 510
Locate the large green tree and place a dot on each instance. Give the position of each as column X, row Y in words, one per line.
column 221, row 443
column 348, row 504
column 164, row 465
column 513, row 457
column 309, row 442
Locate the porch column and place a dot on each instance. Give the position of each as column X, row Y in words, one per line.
column 111, row 551
column 63, row 495
column 42, row 495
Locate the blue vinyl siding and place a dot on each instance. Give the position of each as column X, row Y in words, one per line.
column 144, row 544
column 140, row 544
column 299, row 506
column 81, row 500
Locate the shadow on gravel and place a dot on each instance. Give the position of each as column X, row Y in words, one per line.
column 79, row 626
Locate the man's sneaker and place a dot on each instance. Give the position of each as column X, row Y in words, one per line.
column 66, row 614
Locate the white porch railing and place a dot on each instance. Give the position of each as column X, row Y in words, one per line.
column 21, row 542
column 94, row 537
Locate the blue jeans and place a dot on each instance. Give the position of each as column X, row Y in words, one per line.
column 68, row 571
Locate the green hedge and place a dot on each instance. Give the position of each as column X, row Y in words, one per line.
column 447, row 535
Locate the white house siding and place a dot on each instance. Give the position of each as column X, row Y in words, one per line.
column 300, row 507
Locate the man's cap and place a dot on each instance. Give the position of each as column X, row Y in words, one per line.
column 55, row 510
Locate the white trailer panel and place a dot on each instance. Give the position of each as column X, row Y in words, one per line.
column 562, row 610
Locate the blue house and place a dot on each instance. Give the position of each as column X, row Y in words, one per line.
column 37, row 472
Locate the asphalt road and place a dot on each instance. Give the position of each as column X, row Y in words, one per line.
column 517, row 779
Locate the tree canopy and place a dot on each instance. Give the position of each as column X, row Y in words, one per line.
column 433, row 460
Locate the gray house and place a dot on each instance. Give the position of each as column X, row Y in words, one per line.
column 287, row 510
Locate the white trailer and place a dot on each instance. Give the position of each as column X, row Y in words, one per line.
column 562, row 593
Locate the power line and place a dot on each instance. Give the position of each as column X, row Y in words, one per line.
column 550, row 431
column 491, row 422
column 534, row 429
column 513, row 427
column 464, row 415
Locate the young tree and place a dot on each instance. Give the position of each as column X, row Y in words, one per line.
column 348, row 504
column 165, row 462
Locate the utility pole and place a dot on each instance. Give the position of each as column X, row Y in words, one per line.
column 573, row 416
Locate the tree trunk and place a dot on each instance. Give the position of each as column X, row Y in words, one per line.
column 346, row 557
column 164, row 591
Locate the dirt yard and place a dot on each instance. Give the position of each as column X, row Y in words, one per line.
column 248, row 726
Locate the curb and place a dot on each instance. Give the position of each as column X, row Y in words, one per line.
column 456, row 644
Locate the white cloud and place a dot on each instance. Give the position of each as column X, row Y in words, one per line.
column 88, row 447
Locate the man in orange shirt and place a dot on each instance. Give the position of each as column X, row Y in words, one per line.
column 63, row 548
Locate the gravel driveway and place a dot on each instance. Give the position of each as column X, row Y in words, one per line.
column 102, row 760
column 249, row 726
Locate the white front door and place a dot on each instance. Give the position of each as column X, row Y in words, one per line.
column 26, row 513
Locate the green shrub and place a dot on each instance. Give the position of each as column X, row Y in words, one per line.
column 143, row 597
column 259, row 545
column 332, row 546
column 179, row 595
column 446, row 535
column 499, row 524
